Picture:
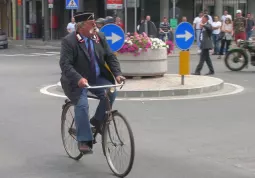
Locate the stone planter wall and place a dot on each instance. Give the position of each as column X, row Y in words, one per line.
column 150, row 63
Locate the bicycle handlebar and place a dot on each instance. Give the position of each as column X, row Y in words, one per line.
column 105, row 86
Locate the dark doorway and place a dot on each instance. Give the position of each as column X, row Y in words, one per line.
column 39, row 20
column 101, row 8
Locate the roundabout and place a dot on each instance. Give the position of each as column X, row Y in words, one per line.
column 165, row 88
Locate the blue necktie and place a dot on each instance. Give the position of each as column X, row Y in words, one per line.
column 92, row 61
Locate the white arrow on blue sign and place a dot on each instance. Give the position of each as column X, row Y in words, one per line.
column 184, row 36
column 115, row 36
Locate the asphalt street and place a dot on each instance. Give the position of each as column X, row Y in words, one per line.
column 202, row 138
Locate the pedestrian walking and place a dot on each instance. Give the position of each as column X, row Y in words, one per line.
column 71, row 26
column 206, row 45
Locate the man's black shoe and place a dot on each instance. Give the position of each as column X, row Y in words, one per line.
column 210, row 73
column 97, row 124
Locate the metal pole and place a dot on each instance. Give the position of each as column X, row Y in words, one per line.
column 174, row 4
column 125, row 16
column 24, row 22
column 51, row 24
column 135, row 16
column 72, row 13
column 182, row 79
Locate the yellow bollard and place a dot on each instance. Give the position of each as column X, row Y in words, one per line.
column 184, row 64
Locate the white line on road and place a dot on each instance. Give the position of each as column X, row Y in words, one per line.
column 238, row 89
column 53, row 52
column 42, row 54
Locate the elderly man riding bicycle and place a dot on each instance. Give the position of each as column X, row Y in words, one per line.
column 87, row 59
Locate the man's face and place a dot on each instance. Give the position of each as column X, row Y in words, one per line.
column 248, row 15
column 201, row 14
column 238, row 14
column 73, row 20
column 164, row 20
column 216, row 19
column 225, row 12
column 148, row 18
column 204, row 20
column 89, row 28
column 184, row 19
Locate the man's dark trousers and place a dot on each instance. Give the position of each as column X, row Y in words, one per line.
column 204, row 57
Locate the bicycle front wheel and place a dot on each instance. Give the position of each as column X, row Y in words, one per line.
column 113, row 143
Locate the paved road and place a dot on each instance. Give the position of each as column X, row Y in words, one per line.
column 210, row 138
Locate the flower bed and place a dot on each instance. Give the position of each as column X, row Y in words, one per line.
column 143, row 56
column 141, row 43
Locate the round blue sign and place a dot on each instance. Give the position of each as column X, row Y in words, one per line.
column 184, row 36
column 114, row 35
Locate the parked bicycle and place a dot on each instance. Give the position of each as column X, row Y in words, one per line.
column 109, row 136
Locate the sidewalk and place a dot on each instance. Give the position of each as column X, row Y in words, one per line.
column 37, row 44
column 56, row 44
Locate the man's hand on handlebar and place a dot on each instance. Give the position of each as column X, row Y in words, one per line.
column 120, row 79
column 83, row 83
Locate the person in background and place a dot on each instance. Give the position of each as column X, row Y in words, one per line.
column 210, row 17
column 227, row 28
column 224, row 16
column 71, row 26
column 164, row 27
column 119, row 23
column 100, row 22
column 206, row 45
column 109, row 20
column 250, row 26
column 148, row 27
column 239, row 26
column 184, row 19
column 216, row 25
column 196, row 25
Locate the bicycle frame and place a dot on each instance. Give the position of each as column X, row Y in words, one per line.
column 109, row 110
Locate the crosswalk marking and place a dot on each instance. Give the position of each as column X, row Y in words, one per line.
column 31, row 54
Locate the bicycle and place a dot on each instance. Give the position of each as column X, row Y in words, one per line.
column 110, row 119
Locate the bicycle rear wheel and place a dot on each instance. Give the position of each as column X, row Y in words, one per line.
column 112, row 137
column 68, row 132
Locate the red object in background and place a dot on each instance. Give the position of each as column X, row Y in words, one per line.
column 121, row 25
column 114, row 4
column 19, row 2
column 54, row 21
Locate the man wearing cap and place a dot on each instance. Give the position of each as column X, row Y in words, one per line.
column 239, row 26
column 87, row 59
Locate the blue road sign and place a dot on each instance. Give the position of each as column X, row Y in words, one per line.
column 72, row 4
column 115, row 36
column 184, row 35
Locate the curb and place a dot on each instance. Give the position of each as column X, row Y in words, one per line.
column 219, row 85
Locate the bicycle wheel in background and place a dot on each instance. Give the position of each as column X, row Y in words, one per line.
column 68, row 132
column 112, row 137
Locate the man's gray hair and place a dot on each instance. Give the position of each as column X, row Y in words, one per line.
column 79, row 25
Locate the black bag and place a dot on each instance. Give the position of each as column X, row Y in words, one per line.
column 221, row 36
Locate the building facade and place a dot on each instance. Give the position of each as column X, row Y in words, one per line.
column 38, row 15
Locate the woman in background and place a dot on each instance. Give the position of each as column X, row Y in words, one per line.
column 227, row 29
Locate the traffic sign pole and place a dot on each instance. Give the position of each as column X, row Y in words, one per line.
column 184, row 38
